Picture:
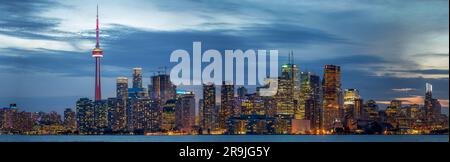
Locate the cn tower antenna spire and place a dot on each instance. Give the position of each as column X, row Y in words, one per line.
column 97, row 32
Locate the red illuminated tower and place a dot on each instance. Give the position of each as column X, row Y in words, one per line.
column 97, row 53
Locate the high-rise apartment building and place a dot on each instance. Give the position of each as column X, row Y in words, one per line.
column 209, row 105
column 226, row 104
column 332, row 97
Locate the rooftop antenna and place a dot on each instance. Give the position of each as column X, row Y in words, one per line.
column 292, row 57
column 289, row 57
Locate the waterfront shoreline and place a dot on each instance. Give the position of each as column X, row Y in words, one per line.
column 225, row 138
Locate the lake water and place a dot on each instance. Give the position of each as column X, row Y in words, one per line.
column 226, row 138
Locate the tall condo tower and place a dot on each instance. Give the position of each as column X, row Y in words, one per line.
column 97, row 53
column 332, row 104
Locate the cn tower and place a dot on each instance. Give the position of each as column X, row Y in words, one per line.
column 97, row 53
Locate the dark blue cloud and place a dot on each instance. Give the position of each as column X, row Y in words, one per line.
column 22, row 16
column 23, row 19
column 429, row 71
column 43, row 61
column 129, row 47
column 432, row 55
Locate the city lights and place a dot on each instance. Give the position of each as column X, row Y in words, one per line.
column 294, row 102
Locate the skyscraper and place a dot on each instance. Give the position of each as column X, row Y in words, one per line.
column 310, row 106
column 358, row 109
column 332, row 97
column 200, row 113
column 122, row 102
column 350, row 97
column 185, row 111
column 209, row 104
column 153, row 115
column 85, row 115
column 227, row 104
column 432, row 105
column 112, row 113
column 101, row 114
column 287, row 96
column 162, row 88
column 140, row 108
column 290, row 72
column 428, row 100
column 350, row 111
column 97, row 53
column 168, row 115
column 7, row 118
column 137, row 90
column 137, row 77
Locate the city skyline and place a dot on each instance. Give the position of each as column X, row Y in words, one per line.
column 163, row 109
column 60, row 41
column 300, row 104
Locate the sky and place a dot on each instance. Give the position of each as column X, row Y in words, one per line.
column 386, row 49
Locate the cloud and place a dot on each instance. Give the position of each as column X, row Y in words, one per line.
column 410, row 75
column 403, row 89
column 438, row 55
column 444, row 103
column 26, row 28
column 411, row 100
column 429, row 71
column 24, row 16
column 40, row 44
column 406, row 100
column 405, row 69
